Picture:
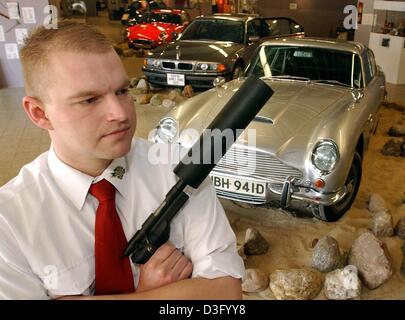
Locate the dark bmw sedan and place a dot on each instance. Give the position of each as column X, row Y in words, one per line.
column 212, row 46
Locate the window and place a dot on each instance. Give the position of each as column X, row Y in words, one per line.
column 308, row 62
column 278, row 27
column 214, row 29
column 368, row 70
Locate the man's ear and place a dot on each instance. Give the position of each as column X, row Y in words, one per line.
column 36, row 112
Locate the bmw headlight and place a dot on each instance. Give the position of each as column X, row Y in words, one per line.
column 325, row 156
column 150, row 62
column 210, row 67
column 166, row 131
column 163, row 36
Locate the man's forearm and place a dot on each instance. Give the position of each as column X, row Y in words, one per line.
column 225, row 288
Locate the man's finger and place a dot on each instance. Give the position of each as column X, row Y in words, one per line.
column 163, row 252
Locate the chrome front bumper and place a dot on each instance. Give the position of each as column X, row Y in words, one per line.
column 290, row 190
column 284, row 193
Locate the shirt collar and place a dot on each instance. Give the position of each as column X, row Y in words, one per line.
column 76, row 184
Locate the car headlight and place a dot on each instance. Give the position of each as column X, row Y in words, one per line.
column 210, row 67
column 325, row 156
column 156, row 63
column 166, row 131
column 163, row 36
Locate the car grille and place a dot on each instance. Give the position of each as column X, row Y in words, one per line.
column 240, row 197
column 264, row 165
column 185, row 66
column 177, row 65
column 169, row 65
column 141, row 41
column 267, row 167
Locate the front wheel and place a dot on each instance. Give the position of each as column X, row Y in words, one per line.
column 335, row 212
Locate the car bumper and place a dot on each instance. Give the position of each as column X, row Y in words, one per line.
column 143, row 44
column 286, row 194
column 202, row 81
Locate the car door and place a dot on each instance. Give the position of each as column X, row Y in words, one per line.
column 373, row 92
column 253, row 38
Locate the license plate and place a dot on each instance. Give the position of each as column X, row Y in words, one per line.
column 242, row 186
column 175, row 79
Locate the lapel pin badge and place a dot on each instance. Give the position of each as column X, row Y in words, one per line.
column 118, row 172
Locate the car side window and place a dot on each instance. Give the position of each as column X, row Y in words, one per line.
column 371, row 60
column 295, row 27
column 357, row 73
column 367, row 68
column 278, row 27
column 251, row 30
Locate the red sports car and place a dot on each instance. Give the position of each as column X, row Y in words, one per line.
column 157, row 27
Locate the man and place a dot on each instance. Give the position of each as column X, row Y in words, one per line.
column 66, row 217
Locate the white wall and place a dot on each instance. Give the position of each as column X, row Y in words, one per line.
column 10, row 70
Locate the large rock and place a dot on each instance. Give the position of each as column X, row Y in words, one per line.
column 175, row 95
column 254, row 243
column 400, row 228
column 188, row 91
column 295, row 284
column 372, row 259
column 376, row 203
column 143, row 86
column 394, row 147
column 397, row 130
column 167, row 103
column 342, row 284
column 382, row 225
column 142, row 98
column 156, row 100
column 241, row 252
column 255, row 281
column 326, row 255
column 134, row 82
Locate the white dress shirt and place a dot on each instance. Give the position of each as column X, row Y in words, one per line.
column 47, row 222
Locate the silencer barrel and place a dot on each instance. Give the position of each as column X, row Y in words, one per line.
column 235, row 116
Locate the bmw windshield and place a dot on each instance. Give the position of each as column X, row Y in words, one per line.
column 308, row 63
column 215, row 30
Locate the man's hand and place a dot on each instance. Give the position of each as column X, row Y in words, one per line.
column 167, row 265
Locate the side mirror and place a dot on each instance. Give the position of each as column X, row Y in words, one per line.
column 253, row 39
column 219, row 81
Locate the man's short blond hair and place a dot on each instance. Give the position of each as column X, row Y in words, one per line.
column 42, row 43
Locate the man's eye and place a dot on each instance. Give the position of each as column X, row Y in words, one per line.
column 122, row 92
column 90, row 100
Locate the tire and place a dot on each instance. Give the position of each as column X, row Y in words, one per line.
column 237, row 72
column 335, row 212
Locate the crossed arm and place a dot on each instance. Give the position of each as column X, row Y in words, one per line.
column 166, row 276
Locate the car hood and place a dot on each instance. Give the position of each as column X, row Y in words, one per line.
column 199, row 50
column 289, row 115
column 151, row 30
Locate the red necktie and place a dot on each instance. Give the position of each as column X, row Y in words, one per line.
column 113, row 272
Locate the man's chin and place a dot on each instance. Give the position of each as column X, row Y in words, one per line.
column 119, row 150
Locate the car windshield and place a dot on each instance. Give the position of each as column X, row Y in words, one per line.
column 214, row 29
column 308, row 63
column 160, row 17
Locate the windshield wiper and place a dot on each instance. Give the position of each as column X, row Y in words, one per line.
column 332, row 82
column 290, row 77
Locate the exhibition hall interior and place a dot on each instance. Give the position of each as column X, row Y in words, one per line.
column 312, row 182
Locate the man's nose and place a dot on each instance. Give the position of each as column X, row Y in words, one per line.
column 116, row 109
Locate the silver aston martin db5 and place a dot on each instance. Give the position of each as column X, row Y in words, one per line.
column 309, row 138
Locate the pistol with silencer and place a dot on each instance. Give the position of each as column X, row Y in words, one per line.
column 234, row 117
